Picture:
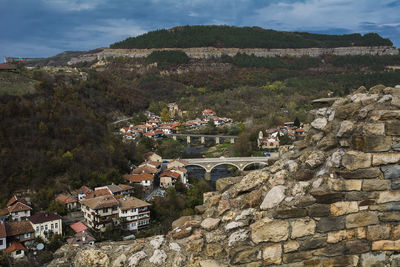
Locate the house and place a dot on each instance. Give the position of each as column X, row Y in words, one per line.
column 299, row 132
column 83, row 192
column 182, row 172
column 127, row 190
column 144, row 179
column 177, row 163
column 154, row 164
column 168, row 178
column 134, row 213
column 16, row 250
column 81, row 238
column 19, row 211
column 7, row 67
column 145, row 169
column 20, row 231
column 46, row 224
column 99, row 192
column 68, row 201
column 173, row 110
column 208, row 113
column 116, row 190
column 78, row 227
column 3, row 236
column 151, row 156
column 100, row 212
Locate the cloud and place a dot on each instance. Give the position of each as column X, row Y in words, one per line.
column 73, row 5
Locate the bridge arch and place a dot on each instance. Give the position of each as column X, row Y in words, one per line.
column 258, row 162
column 226, row 163
column 198, row 165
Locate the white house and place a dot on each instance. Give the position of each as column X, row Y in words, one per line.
column 83, row 192
column 16, row 250
column 144, row 179
column 46, row 224
column 100, row 212
column 19, row 211
column 133, row 213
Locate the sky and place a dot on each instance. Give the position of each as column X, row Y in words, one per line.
column 42, row 28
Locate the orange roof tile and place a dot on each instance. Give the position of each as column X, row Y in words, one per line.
column 78, row 227
column 2, row 230
column 65, row 199
column 137, row 178
column 18, row 207
column 18, row 228
column 15, row 246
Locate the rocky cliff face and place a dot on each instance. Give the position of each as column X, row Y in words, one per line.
column 333, row 199
column 210, row 52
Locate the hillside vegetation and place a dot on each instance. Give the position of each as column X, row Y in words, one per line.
column 245, row 37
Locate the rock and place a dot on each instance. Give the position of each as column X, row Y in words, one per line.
column 159, row 257
column 251, row 199
column 391, row 171
column 210, row 223
column 228, row 216
column 373, row 260
column 342, row 235
column 344, row 207
column 315, row 159
column 354, row 160
column 174, row 246
column 224, row 183
column 304, row 174
column 238, row 236
column 297, row 257
column 319, row 123
column 120, row 261
column 179, row 233
column 348, row 110
column 249, row 182
column 302, row 227
column 178, row 223
column 213, row 251
column 245, row 213
column 279, row 178
column 267, row 230
column 211, row 199
column 385, row 158
column 361, row 219
column 273, row 197
column 223, row 206
column 378, row 232
column 195, row 245
column 318, row 210
column 286, row 213
column 210, row 263
column 91, row 257
column 372, row 143
column 334, row 160
column 373, row 129
column 136, row 258
column 386, row 245
column 215, row 236
column 376, row 185
column 199, row 209
column 329, row 224
column 290, row 246
column 157, row 241
column 357, row 247
column 385, row 98
column 385, row 115
column 388, row 196
column 341, row 261
column 346, row 128
column 233, row 225
column 313, row 242
column 326, row 197
column 245, row 254
column 360, row 174
column 272, row 254
column 377, row 89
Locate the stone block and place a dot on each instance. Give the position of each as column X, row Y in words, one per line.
column 352, row 185
column 373, row 260
column 297, row 256
column 195, row 245
column 291, row 245
column 244, row 254
column 391, row 171
column 302, row 227
column 354, row 160
column 210, row 223
column 267, row 230
column 357, row 247
column 224, row 183
column 395, row 232
column 318, row 210
column 272, row 254
column 346, row 128
column 273, row 197
column 214, row 251
column 393, row 216
column 392, row 128
column 328, row 224
column 378, row 232
column 290, row 213
column 312, row 242
column 385, row 115
column 304, row 174
column 376, row 185
column 360, row 174
column 324, row 197
column 344, row 207
column 372, row 143
column 360, row 195
column 388, row 196
column 361, row 219
column 341, row 261
column 342, row 235
column 331, row 250
column 373, row 129
column 361, row 232
column 386, row 245
column 385, row 158
column 395, row 184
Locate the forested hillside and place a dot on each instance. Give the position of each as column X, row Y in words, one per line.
column 245, row 37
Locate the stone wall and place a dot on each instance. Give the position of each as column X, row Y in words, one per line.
column 209, row 52
column 333, row 199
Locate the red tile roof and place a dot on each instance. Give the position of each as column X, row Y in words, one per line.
column 78, row 227
column 15, row 199
column 3, row 212
column 145, row 169
column 84, row 190
column 100, row 202
column 131, row 203
column 170, row 174
column 98, row 193
column 2, row 230
column 6, row 67
column 65, row 199
column 137, row 178
column 18, row 228
column 15, row 246
column 17, row 207
column 42, row 217
column 125, row 187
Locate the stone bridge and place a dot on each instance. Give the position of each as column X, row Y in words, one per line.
column 208, row 164
column 203, row 137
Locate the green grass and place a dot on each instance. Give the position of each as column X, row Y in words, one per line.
column 16, row 84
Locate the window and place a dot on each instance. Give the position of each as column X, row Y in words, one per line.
column 105, row 210
column 46, row 227
column 52, row 226
column 1, row 242
column 56, row 225
column 27, row 235
column 37, row 228
column 41, row 228
column 18, row 252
